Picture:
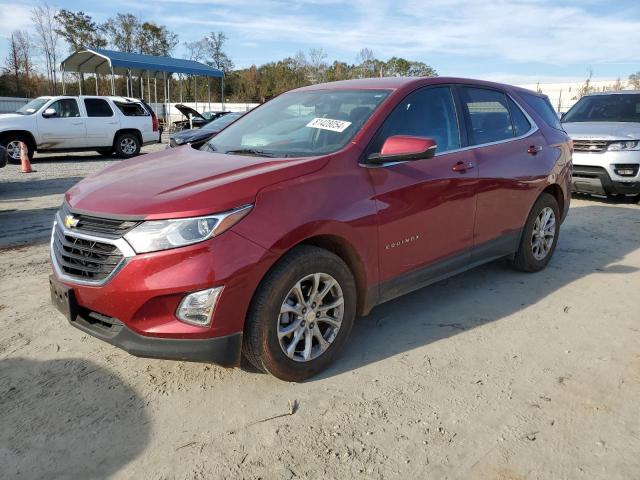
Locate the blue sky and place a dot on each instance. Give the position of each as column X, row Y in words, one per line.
column 517, row 41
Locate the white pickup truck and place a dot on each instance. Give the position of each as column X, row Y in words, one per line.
column 66, row 124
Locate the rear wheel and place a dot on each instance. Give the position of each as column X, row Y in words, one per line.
column 301, row 315
column 540, row 235
column 12, row 144
column 127, row 145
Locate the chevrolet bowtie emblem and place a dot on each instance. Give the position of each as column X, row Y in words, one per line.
column 70, row 221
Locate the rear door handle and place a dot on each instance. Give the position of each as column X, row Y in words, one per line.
column 77, row 123
column 462, row 167
column 534, row 149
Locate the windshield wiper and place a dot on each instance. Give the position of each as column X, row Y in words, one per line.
column 254, row 152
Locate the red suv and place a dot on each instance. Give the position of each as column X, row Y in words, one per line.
column 307, row 212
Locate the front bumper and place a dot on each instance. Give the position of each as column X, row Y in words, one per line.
column 224, row 351
column 596, row 173
column 140, row 300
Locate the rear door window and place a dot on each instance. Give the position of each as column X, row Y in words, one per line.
column 132, row 109
column 520, row 122
column 97, row 107
column 428, row 112
column 488, row 113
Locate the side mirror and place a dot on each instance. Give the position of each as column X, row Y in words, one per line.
column 404, row 148
column 50, row 112
column 562, row 115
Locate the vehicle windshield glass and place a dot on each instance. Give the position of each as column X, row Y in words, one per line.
column 33, row 106
column 605, row 108
column 219, row 123
column 300, row 124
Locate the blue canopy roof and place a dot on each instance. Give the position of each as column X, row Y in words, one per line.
column 98, row 60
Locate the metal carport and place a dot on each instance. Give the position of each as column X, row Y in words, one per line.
column 98, row 61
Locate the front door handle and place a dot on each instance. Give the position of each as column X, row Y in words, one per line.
column 534, row 149
column 76, row 123
column 462, row 167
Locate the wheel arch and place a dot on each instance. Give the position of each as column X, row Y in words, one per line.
column 555, row 190
column 135, row 131
column 349, row 255
column 25, row 133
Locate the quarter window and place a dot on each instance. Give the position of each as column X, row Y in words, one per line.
column 97, row 107
column 65, row 108
column 428, row 112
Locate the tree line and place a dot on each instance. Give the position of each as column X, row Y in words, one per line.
column 32, row 65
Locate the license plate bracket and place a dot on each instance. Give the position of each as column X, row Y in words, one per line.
column 63, row 299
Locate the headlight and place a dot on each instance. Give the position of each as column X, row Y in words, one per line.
column 621, row 146
column 157, row 235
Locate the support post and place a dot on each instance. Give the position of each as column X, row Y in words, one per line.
column 164, row 77
column 79, row 84
column 195, row 90
column 222, row 91
column 64, row 85
column 209, row 91
column 113, row 82
column 96, row 74
column 180, row 79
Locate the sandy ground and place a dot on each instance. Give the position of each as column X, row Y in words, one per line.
column 491, row 375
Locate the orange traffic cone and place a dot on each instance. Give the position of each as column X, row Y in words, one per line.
column 24, row 158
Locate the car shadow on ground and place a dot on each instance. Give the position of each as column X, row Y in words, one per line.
column 493, row 291
column 33, row 188
column 619, row 200
column 46, row 432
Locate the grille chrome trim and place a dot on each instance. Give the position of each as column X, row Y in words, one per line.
column 120, row 243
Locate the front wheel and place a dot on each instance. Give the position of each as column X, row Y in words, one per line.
column 301, row 315
column 540, row 235
column 127, row 145
column 12, row 144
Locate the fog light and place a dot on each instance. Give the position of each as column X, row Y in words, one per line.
column 197, row 308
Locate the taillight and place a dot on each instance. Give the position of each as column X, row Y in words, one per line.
column 154, row 122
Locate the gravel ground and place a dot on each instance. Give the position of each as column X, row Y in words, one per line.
column 492, row 374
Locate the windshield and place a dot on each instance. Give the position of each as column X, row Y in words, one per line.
column 605, row 108
column 219, row 123
column 33, row 106
column 300, row 124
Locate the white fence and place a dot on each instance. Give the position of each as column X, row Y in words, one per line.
column 11, row 104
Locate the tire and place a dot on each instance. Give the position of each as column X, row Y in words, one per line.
column 10, row 142
column 533, row 252
column 127, row 145
column 262, row 346
column 106, row 152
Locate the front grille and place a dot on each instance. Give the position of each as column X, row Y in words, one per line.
column 107, row 227
column 83, row 259
column 592, row 146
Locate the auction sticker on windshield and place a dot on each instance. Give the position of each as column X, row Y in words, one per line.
column 329, row 124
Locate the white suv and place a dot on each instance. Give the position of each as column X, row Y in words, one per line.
column 65, row 123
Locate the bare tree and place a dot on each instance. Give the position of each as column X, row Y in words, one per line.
column 367, row 61
column 13, row 62
column 197, row 50
column 218, row 58
column 317, row 65
column 48, row 41
column 634, row 80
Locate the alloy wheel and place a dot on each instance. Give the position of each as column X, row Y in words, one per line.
column 128, row 146
column 13, row 149
column 544, row 232
column 310, row 317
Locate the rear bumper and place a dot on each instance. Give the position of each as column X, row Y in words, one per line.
column 596, row 180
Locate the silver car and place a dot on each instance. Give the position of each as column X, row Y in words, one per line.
column 605, row 129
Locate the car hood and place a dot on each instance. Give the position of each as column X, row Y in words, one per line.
column 603, row 130
column 182, row 182
column 188, row 111
column 194, row 134
column 13, row 119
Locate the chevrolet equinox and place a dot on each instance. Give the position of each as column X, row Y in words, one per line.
column 307, row 212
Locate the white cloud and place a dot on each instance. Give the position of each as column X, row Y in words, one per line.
column 544, row 31
column 14, row 17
